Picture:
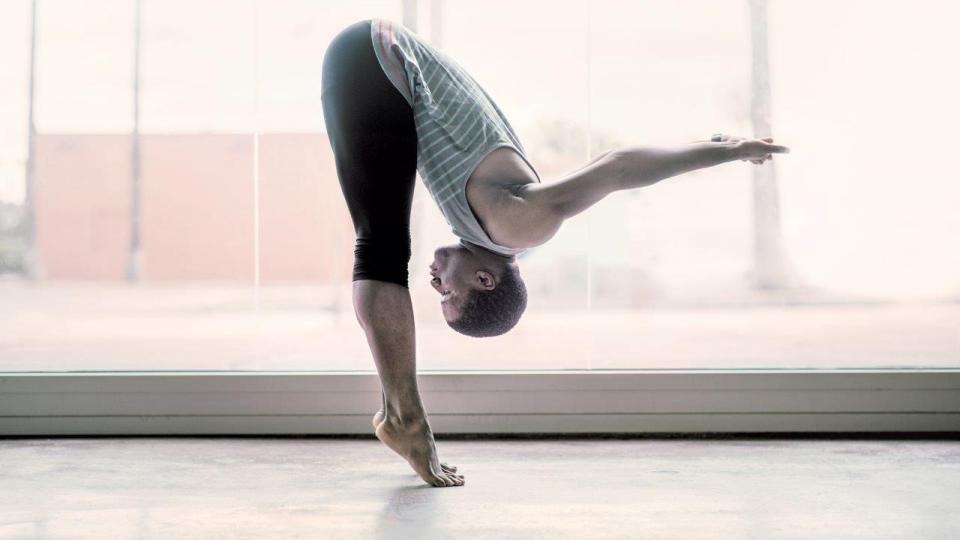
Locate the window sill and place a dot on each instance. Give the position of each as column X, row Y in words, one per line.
column 487, row 402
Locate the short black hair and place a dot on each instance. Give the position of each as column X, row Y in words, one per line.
column 494, row 312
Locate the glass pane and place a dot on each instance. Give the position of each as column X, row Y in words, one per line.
column 219, row 239
column 306, row 237
column 867, row 199
column 143, row 243
column 535, row 70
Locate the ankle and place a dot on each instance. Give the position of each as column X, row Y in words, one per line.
column 406, row 420
column 404, row 410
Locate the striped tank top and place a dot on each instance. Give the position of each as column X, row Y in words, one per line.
column 457, row 123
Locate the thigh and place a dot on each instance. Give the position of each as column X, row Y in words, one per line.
column 373, row 136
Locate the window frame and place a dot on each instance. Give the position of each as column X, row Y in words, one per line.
column 484, row 402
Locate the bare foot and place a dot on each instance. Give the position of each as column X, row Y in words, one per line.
column 414, row 442
column 378, row 419
column 378, row 416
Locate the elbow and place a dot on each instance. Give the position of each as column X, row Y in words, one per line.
column 633, row 167
column 615, row 164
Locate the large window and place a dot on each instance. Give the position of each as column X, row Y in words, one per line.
column 171, row 203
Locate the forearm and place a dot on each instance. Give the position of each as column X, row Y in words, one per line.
column 640, row 166
column 546, row 206
column 385, row 313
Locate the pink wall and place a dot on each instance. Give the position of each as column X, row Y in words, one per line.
column 305, row 228
column 82, row 205
column 197, row 207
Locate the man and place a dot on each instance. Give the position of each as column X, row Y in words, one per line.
column 393, row 106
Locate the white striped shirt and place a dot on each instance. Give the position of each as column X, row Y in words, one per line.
column 457, row 123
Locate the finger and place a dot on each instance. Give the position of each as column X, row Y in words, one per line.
column 777, row 149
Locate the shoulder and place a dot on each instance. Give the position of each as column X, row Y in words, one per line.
column 520, row 219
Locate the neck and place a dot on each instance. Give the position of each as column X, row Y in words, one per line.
column 485, row 254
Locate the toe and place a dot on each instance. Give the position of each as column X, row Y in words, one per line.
column 448, row 468
column 452, row 481
column 441, row 480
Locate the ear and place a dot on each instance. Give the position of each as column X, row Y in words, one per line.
column 485, row 280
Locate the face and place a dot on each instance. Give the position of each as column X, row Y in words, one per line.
column 456, row 272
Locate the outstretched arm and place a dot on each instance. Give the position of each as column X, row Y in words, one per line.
column 546, row 206
column 643, row 166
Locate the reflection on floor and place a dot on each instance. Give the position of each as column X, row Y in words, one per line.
column 157, row 488
column 108, row 326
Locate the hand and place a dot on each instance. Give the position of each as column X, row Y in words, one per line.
column 755, row 151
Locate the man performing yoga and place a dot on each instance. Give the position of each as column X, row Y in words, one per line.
column 393, row 106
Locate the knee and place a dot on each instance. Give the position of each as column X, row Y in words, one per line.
column 383, row 258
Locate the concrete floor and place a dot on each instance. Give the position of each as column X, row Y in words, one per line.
column 115, row 488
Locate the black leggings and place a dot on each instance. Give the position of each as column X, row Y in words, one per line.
column 374, row 142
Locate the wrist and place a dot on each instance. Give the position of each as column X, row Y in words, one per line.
column 729, row 150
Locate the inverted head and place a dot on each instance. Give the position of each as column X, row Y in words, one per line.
column 481, row 292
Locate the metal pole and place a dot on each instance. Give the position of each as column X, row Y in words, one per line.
column 134, row 260
column 589, row 121
column 256, row 161
column 768, row 259
column 31, row 262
